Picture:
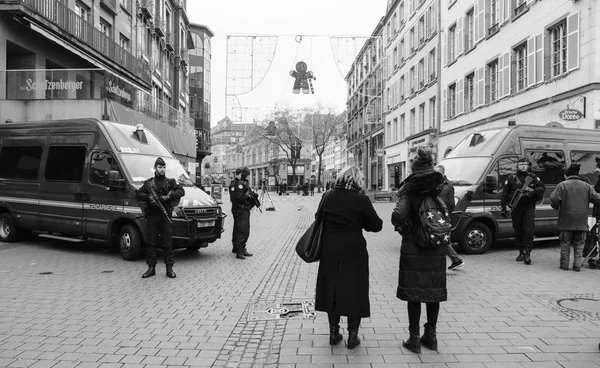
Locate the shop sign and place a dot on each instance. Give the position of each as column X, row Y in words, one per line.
column 55, row 85
column 570, row 114
column 119, row 91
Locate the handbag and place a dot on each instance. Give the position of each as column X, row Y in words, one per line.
column 310, row 244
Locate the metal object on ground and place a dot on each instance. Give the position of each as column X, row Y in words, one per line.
column 281, row 311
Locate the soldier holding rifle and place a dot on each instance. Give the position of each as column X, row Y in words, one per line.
column 521, row 191
column 158, row 196
column 242, row 201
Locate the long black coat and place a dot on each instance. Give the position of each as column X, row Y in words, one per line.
column 422, row 271
column 343, row 278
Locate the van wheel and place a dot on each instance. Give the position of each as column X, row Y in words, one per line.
column 130, row 242
column 193, row 248
column 477, row 238
column 8, row 231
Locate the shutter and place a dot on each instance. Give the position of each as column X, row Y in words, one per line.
column 475, row 23
column 460, row 96
column 426, row 66
column 459, row 36
column 505, row 11
column 501, row 10
column 506, row 75
column 481, row 92
column 435, row 16
column 499, row 78
column 444, row 102
column 476, row 88
column 426, row 30
column 539, row 59
column 481, row 20
column 445, row 51
column 573, row 42
column 531, row 61
column 486, row 83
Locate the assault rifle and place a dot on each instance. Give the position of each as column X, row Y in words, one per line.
column 158, row 202
column 514, row 201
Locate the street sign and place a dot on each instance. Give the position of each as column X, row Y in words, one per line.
column 570, row 114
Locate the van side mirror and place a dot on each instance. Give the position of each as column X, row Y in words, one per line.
column 115, row 180
column 491, row 184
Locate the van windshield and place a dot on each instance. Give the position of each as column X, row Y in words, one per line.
column 141, row 167
column 465, row 170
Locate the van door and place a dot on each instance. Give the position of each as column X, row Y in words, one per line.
column 501, row 169
column 61, row 194
column 548, row 162
column 104, row 205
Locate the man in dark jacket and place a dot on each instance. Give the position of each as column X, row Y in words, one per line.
column 168, row 192
column 447, row 195
column 572, row 199
column 596, row 212
column 523, row 212
column 242, row 201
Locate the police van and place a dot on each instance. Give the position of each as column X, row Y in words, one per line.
column 480, row 164
column 76, row 179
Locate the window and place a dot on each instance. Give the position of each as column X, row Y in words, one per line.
column 123, row 42
column 452, row 44
column 452, row 100
column 395, row 57
column 102, row 164
column 402, row 56
column 520, row 63
column 492, row 73
column 402, row 88
column 65, row 163
column 549, row 166
column 432, row 112
column 411, row 80
column 105, row 27
column 421, row 73
column 520, row 7
column 469, row 92
column 401, row 14
column 402, row 127
column 587, row 160
column 503, row 169
column 469, row 32
column 422, row 30
column 422, row 117
column 558, row 40
column 413, row 123
column 411, row 40
column 396, row 132
column 493, row 13
column 22, row 162
column 431, row 67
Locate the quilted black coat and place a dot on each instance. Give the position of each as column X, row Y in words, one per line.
column 422, row 271
column 343, row 278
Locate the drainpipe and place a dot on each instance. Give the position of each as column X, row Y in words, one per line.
column 439, row 76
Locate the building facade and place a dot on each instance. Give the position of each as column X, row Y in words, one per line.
column 365, row 138
column 509, row 62
column 411, row 90
column 200, row 81
column 122, row 60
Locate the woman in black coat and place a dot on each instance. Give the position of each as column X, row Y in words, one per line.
column 343, row 278
column 596, row 211
column 422, row 271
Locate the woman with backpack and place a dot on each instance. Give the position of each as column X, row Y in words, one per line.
column 422, row 270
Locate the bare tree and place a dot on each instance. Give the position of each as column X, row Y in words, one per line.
column 325, row 125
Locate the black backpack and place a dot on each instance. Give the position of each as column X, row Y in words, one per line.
column 432, row 228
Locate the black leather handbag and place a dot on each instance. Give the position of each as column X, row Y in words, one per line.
column 310, row 244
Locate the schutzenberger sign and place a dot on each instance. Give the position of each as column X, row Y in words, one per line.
column 30, row 85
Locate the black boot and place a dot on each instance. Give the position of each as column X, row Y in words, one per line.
column 527, row 257
column 240, row 256
column 353, row 340
column 334, row 335
column 246, row 254
column 151, row 272
column 429, row 339
column 413, row 343
column 521, row 256
column 170, row 272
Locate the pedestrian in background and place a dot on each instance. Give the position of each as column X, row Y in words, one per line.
column 327, row 186
column 523, row 213
column 572, row 199
column 312, row 188
column 343, row 277
column 168, row 192
column 596, row 211
column 422, row 271
column 242, row 201
column 447, row 195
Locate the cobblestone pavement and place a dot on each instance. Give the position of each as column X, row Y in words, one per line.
column 74, row 305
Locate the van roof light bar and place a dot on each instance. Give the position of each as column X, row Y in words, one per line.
column 476, row 139
column 139, row 134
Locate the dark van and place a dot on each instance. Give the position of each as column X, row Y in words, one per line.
column 76, row 179
column 480, row 164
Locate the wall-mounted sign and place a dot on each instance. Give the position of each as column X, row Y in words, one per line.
column 56, row 85
column 570, row 114
column 119, row 91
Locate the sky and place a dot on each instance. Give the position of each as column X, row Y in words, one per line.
column 332, row 32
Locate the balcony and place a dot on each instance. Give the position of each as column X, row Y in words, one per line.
column 147, row 8
column 169, row 41
column 111, row 5
column 521, row 9
column 54, row 14
column 159, row 26
column 184, row 55
column 432, row 77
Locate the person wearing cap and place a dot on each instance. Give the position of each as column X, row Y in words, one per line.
column 169, row 192
column 422, row 271
column 242, row 201
column 523, row 214
column 572, row 198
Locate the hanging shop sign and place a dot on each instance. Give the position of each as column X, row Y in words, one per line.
column 119, row 91
column 570, row 114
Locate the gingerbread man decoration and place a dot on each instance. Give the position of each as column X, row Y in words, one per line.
column 303, row 79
